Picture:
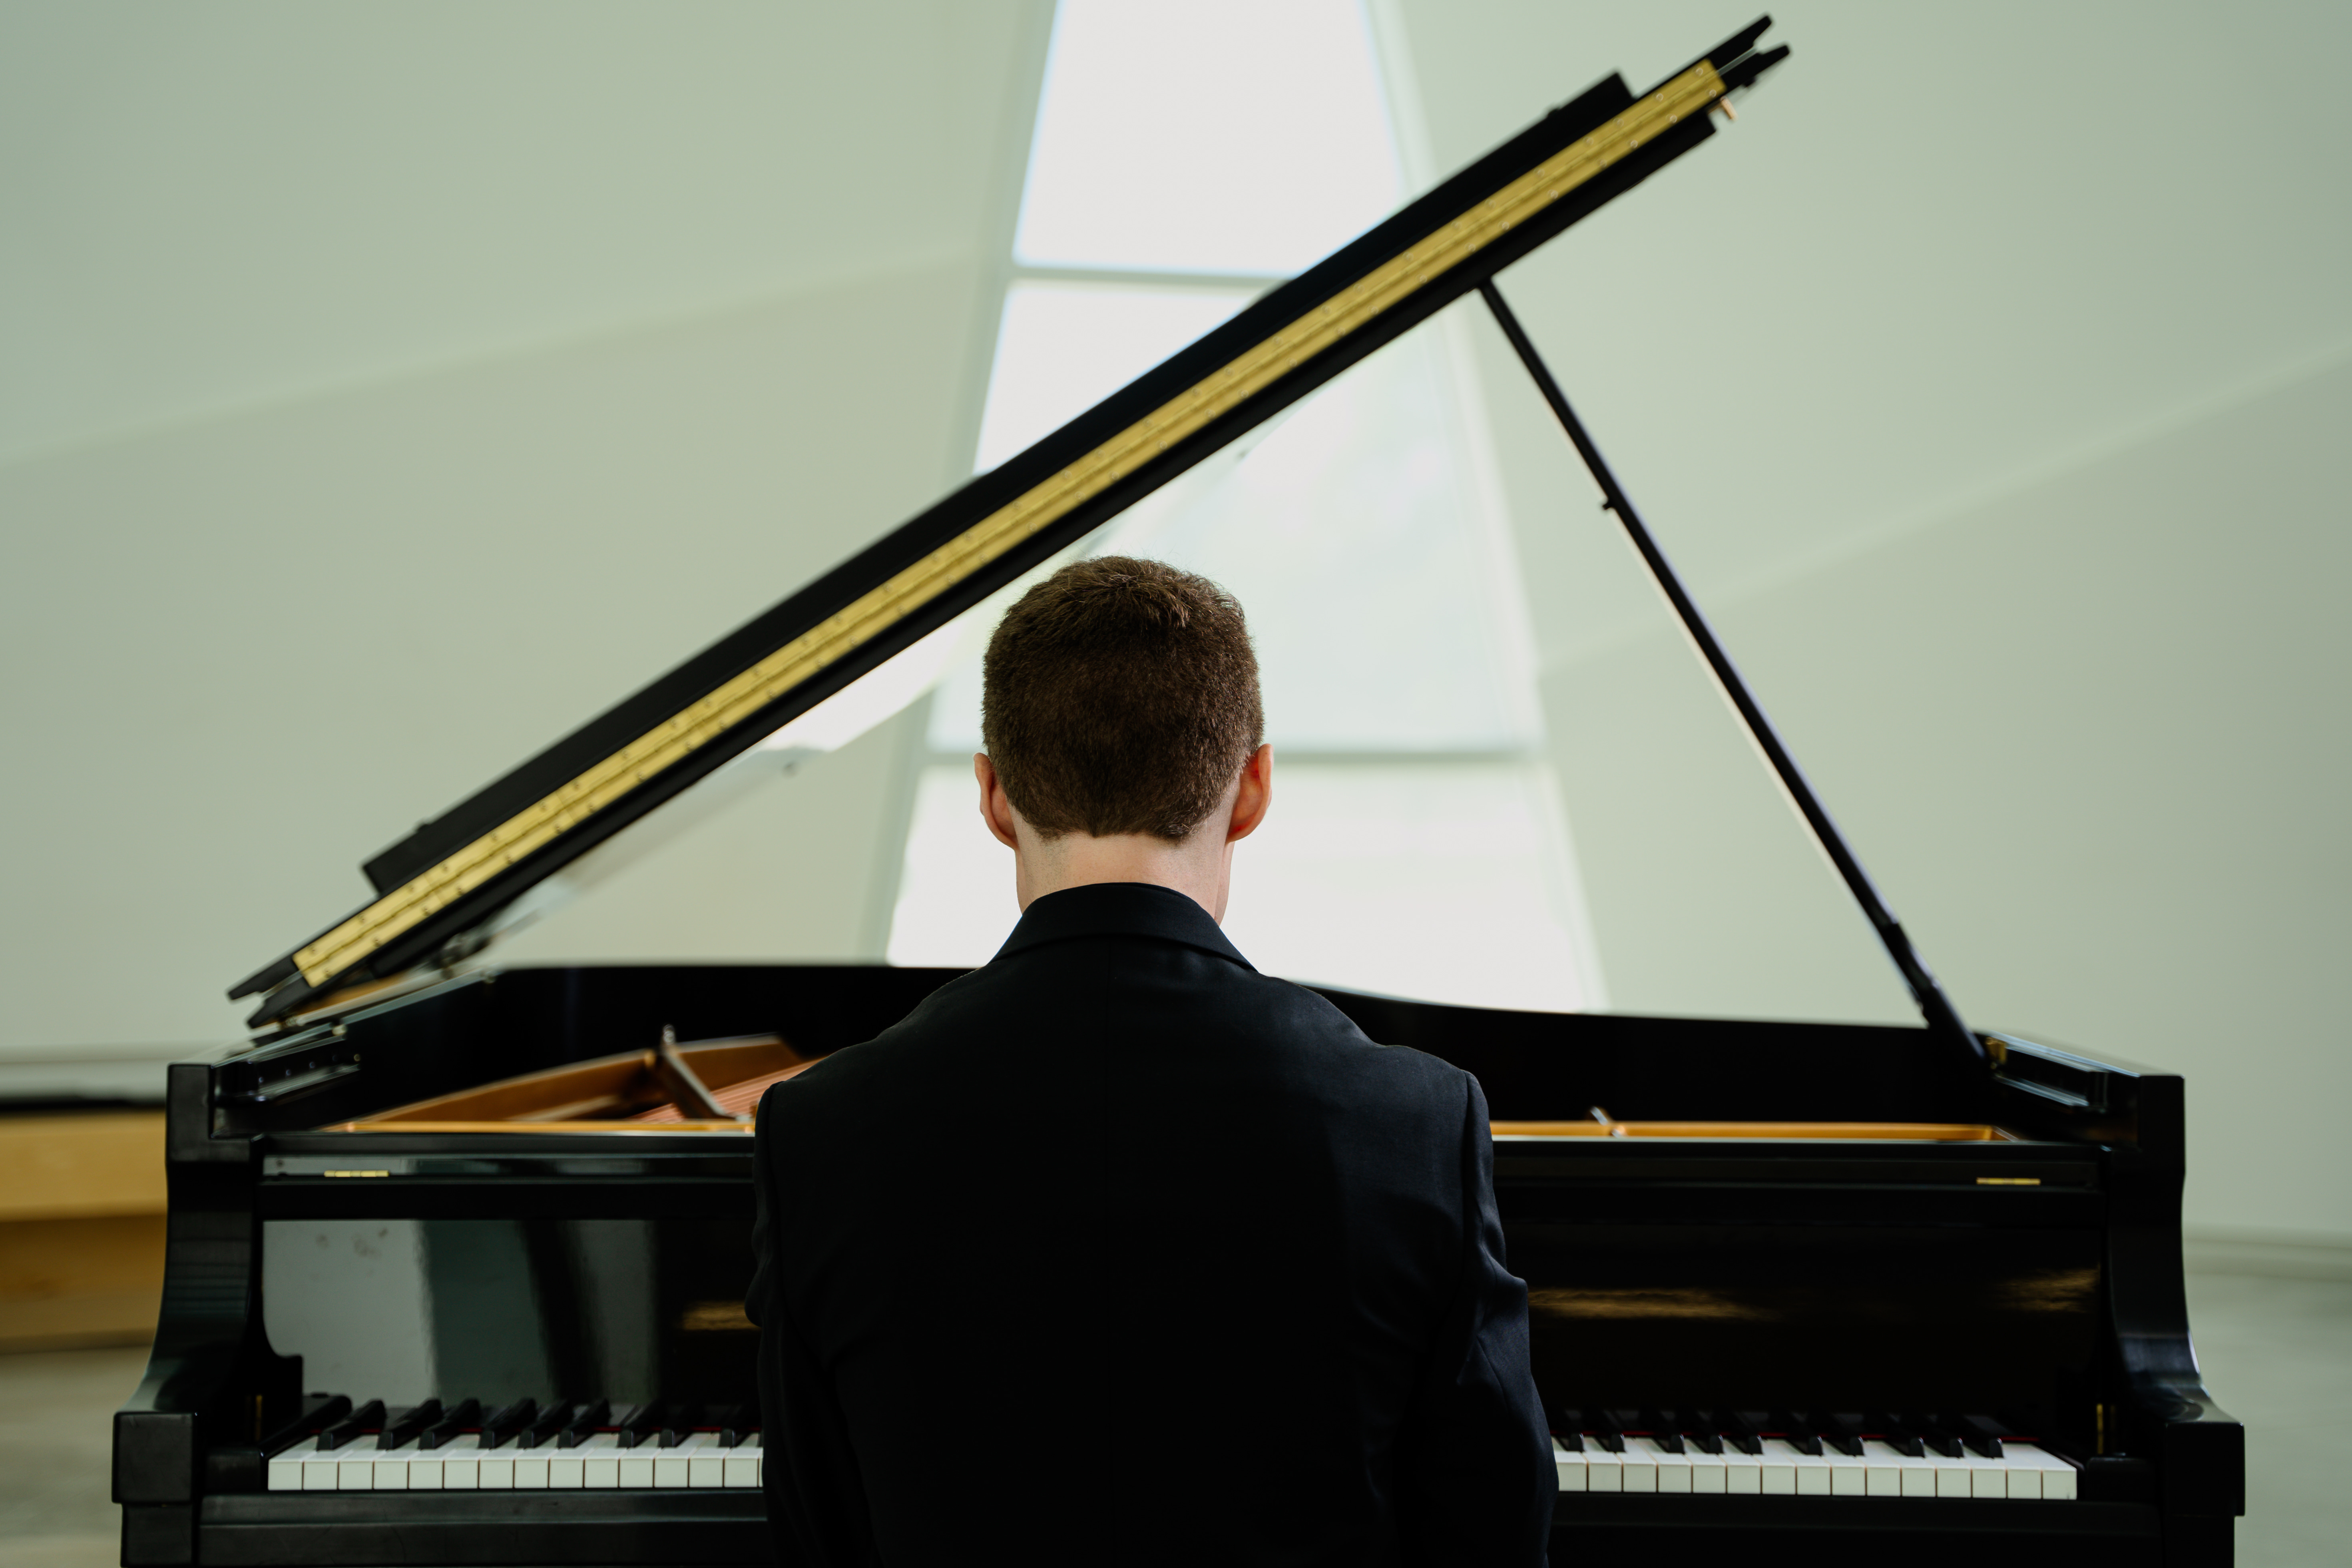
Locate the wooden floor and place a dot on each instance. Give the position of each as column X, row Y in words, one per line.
column 56, row 1416
column 2278, row 1353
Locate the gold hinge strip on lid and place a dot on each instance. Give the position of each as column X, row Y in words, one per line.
column 1248, row 373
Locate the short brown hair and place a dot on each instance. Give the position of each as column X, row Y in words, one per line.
column 1120, row 696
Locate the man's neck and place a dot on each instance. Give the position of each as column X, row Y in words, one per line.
column 1198, row 866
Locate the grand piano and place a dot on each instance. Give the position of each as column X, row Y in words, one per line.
column 457, row 1252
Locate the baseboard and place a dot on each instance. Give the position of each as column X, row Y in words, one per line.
column 2278, row 1255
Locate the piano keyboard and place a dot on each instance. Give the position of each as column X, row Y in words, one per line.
column 1745, row 1454
column 521, row 1448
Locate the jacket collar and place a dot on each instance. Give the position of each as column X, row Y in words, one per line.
column 1120, row 909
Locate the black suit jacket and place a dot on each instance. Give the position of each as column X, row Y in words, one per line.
column 1117, row 1251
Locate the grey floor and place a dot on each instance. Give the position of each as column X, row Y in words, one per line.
column 2278, row 1353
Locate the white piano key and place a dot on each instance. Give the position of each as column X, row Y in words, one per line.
column 356, row 1474
column 497, row 1470
column 2055, row 1475
column 1812, row 1471
column 637, row 1471
column 1674, row 1471
column 1848, row 1472
column 424, row 1469
column 600, row 1462
column 392, row 1472
column 286, row 1466
column 1743, row 1472
column 743, row 1464
column 531, row 1469
column 1709, row 1475
column 1568, row 1463
column 1919, row 1475
column 1603, row 1471
column 567, row 1469
column 1882, row 1469
column 672, row 1467
column 1988, row 1478
column 320, row 1471
column 1780, row 1468
column 707, row 1466
column 1640, row 1464
column 461, row 1469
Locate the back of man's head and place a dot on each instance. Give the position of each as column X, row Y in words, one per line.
column 1121, row 696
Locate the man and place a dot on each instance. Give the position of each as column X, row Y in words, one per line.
column 1115, row 1250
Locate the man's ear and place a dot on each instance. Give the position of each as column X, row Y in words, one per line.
column 995, row 806
column 1254, row 795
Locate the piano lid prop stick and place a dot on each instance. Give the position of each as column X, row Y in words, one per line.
column 1942, row 1018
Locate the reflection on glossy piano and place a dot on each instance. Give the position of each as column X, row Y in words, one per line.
column 458, row 1254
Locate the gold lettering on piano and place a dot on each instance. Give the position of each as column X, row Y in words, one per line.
column 716, row 1317
column 1252, row 371
column 1644, row 1301
column 355, row 1173
column 2052, row 1290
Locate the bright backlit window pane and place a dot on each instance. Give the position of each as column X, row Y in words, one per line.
column 1380, row 594
column 1417, row 845
column 1363, row 877
column 1064, row 347
column 1212, row 136
column 1450, row 883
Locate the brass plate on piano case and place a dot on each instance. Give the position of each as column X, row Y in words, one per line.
column 1889, row 1131
column 735, row 700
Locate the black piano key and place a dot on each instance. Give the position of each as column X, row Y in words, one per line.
column 1735, row 1428
column 411, row 1426
column 325, row 1415
column 1696, row 1430
column 1842, row 1432
column 544, row 1428
column 1660, row 1427
column 506, row 1421
column 1981, row 1434
column 367, row 1418
column 590, row 1420
column 735, row 1423
column 1932, row 1435
column 1895, row 1435
column 1797, row 1429
column 678, row 1423
column 1604, row 1427
column 1570, row 1438
column 644, row 1422
column 460, row 1419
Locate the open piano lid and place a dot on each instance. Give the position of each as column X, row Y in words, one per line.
column 452, row 877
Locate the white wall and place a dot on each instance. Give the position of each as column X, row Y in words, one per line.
column 391, row 391
column 386, row 391
column 1987, row 381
